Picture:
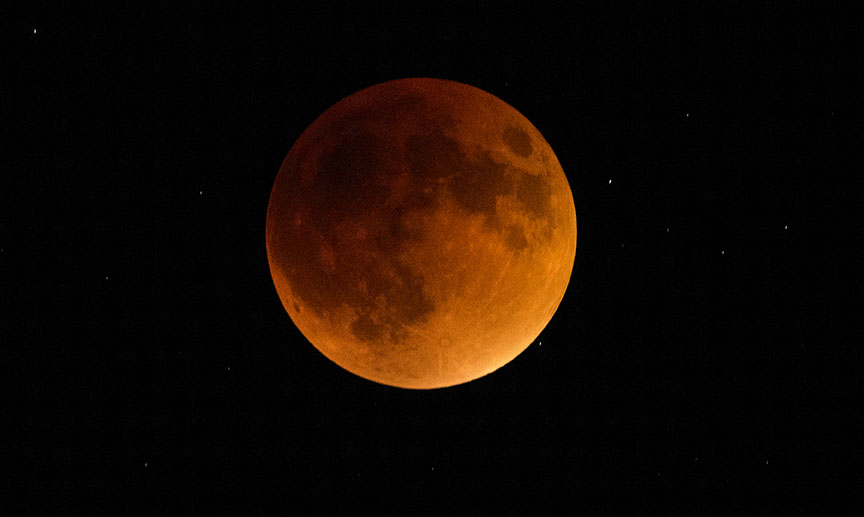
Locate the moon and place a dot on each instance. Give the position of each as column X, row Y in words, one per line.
column 421, row 233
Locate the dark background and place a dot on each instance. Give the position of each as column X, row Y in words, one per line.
column 706, row 359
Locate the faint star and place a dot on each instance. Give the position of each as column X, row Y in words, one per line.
column 229, row 368
column 146, row 464
column 610, row 182
column 687, row 115
column 667, row 229
column 723, row 252
column 786, row 227
column 106, row 277
column 34, row 31
column 200, row 192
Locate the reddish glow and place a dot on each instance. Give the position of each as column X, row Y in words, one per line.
column 421, row 233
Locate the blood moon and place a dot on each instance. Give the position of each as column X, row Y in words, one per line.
column 421, row 233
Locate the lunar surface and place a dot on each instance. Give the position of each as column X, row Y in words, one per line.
column 421, row 233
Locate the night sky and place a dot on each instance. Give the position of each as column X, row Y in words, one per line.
column 706, row 359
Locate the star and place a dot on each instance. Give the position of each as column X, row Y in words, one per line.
column 200, row 192
column 146, row 464
column 723, row 252
column 687, row 115
column 667, row 229
column 610, row 182
column 34, row 31
column 786, row 227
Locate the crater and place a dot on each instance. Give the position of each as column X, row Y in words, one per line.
column 514, row 238
column 478, row 183
column 367, row 330
column 518, row 141
column 534, row 193
column 433, row 154
column 347, row 173
column 408, row 299
column 397, row 301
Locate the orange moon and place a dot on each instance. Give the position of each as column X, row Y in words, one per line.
column 421, row 233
